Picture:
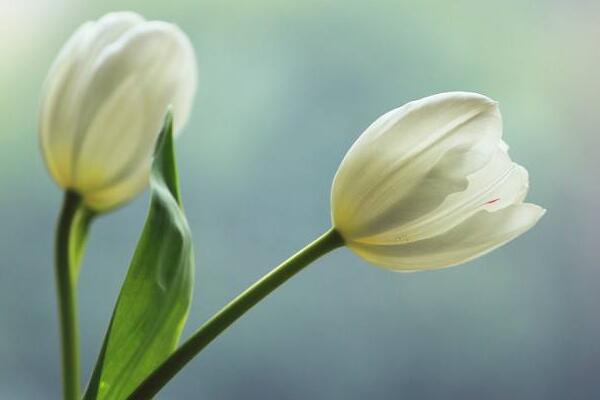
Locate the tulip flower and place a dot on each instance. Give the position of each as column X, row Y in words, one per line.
column 431, row 185
column 102, row 107
column 427, row 185
column 104, row 101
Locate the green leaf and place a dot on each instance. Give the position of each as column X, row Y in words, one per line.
column 155, row 298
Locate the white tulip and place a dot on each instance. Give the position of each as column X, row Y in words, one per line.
column 104, row 100
column 431, row 185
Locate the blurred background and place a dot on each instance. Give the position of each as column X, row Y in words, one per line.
column 285, row 89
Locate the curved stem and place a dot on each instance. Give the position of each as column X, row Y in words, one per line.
column 71, row 234
column 232, row 311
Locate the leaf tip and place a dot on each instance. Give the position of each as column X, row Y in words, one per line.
column 164, row 167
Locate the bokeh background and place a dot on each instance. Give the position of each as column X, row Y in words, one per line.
column 285, row 88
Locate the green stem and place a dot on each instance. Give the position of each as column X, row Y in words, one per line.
column 232, row 311
column 71, row 236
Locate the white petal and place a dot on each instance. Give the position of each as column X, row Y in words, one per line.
column 431, row 145
column 476, row 236
column 156, row 62
column 115, row 141
column 498, row 184
column 121, row 191
column 62, row 92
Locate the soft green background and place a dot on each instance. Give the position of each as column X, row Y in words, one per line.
column 285, row 89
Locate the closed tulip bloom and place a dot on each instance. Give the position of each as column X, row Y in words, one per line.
column 431, row 185
column 104, row 100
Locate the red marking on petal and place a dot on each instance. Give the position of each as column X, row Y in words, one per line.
column 491, row 201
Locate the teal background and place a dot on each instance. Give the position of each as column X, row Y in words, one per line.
column 285, row 88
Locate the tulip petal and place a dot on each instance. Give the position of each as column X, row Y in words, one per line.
column 499, row 184
column 59, row 110
column 479, row 234
column 150, row 59
column 432, row 143
column 111, row 195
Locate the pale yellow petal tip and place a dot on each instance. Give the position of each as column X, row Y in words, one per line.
column 542, row 212
column 539, row 210
column 122, row 15
column 464, row 96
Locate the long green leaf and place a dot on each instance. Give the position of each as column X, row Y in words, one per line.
column 154, row 301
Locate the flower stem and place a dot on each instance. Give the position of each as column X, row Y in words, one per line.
column 71, row 234
column 232, row 311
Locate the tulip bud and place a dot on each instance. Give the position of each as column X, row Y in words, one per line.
column 104, row 100
column 431, row 185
